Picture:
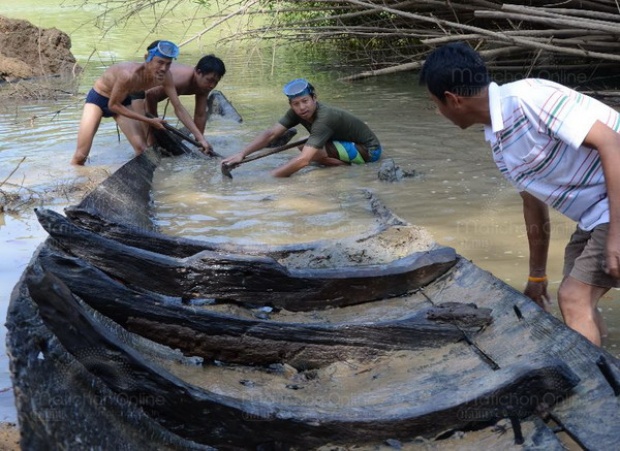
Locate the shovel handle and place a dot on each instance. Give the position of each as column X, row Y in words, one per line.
column 256, row 156
column 180, row 134
column 226, row 168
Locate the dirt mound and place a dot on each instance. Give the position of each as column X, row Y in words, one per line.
column 28, row 51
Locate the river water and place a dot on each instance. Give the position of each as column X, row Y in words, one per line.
column 459, row 195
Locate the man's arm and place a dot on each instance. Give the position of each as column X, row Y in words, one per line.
column 301, row 161
column 607, row 142
column 537, row 225
column 152, row 97
column 257, row 143
column 200, row 113
column 182, row 113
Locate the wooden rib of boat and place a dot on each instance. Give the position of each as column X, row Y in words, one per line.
column 249, row 279
column 103, row 356
column 239, row 335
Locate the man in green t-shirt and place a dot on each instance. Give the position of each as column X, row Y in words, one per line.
column 336, row 136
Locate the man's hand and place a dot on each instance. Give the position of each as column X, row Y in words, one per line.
column 206, row 148
column 537, row 292
column 612, row 263
column 157, row 123
column 233, row 160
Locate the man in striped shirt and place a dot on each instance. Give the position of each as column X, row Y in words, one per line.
column 559, row 148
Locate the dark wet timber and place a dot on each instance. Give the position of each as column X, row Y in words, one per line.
column 186, row 409
column 121, row 337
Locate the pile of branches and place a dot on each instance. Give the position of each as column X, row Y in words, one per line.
column 396, row 35
column 572, row 38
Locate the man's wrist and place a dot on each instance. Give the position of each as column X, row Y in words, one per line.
column 537, row 279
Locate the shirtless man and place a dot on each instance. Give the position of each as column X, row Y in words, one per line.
column 110, row 97
column 198, row 81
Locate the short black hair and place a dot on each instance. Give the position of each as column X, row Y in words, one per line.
column 153, row 44
column 455, row 68
column 211, row 63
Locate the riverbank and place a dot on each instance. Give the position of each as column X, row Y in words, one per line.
column 9, row 437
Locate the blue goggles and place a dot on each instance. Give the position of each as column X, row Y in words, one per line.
column 163, row 49
column 298, row 87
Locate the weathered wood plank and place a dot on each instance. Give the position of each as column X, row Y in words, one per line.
column 212, row 335
column 592, row 413
column 125, row 196
column 248, row 279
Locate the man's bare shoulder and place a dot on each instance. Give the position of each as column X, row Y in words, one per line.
column 119, row 75
column 124, row 70
column 182, row 76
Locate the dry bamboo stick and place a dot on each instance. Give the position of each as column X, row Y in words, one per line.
column 546, row 13
column 553, row 21
column 490, row 34
column 525, row 33
column 583, row 13
column 418, row 65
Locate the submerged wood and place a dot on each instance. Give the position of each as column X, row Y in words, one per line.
column 119, row 209
column 219, row 105
column 172, row 144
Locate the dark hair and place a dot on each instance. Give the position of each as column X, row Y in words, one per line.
column 455, row 68
column 153, row 44
column 211, row 63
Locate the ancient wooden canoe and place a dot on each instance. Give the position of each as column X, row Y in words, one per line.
column 119, row 208
column 105, row 358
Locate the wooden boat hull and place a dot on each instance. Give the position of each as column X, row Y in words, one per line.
column 238, row 336
column 119, row 208
column 124, row 365
column 123, row 338
column 248, row 279
column 475, row 381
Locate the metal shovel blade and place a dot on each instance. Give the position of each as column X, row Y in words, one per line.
column 226, row 170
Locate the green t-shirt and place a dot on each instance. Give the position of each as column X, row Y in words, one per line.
column 332, row 124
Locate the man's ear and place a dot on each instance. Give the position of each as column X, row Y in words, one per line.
column 452, row 99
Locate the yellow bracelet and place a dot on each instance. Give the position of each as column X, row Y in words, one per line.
column 537, row 279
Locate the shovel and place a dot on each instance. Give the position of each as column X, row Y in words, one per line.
column 226, row 168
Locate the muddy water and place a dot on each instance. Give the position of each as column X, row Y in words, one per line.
column 459, row 197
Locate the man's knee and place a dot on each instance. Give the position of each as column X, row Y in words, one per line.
column 574, row 303
column 569, row 300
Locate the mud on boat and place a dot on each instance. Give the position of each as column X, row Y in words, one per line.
column 121, row 337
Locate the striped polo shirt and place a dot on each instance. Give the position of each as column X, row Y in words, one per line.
column 536, row 135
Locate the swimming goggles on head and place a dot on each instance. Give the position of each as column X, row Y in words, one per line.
column 163, row 49
column 298, row 87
